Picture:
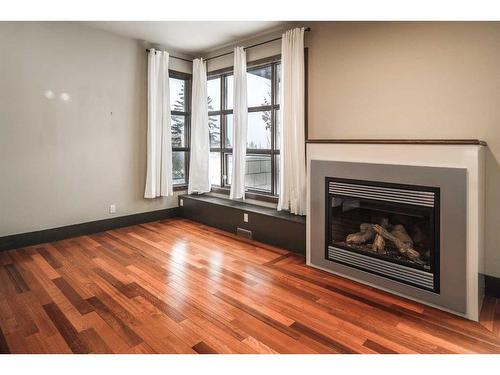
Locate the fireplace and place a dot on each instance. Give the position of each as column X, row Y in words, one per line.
column 435, row 195
column 387, row 229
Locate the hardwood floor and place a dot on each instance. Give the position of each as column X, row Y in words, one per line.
column 175, row 286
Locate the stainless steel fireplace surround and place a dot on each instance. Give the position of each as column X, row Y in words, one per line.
column 357, row 193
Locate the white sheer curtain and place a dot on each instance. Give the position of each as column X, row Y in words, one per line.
column 199, row 174
column 240, row 118
column 159, row 151
column 292, row 161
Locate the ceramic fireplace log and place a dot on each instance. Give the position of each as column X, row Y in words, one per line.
column 365, row 226
column 401, row 245
column 367, row 234
column 379, row 244
column 400, row 232
column 418, row 236
column 383, row 222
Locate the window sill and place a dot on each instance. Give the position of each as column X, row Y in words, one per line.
column 180, row 187
column 249, row 195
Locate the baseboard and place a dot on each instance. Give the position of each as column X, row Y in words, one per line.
column 492, row 286
column 55, row 234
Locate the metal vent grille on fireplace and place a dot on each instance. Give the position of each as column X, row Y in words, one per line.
column 394, row 271
column 419, row 198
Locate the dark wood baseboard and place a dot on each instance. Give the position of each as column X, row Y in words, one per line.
column 492, row 286
column 55, row 234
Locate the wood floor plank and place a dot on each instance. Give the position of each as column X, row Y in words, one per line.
column 17, row 343
column 35, row 344
column 4, row 348
column 25, row 323
column 94, row 342
column 7, row 288
column 49, row 258
column 105, row 332
column 378, row 348
column 56, row 345
column 115, row 322
column 216, row 336
column 7, row 319
column 275, row 339
column 258, row 346
column 42, row 263
column 67, row 331
column 37, row 315
column 488, row 313
column 176, row 286
column 209, row 309
column 269, row 320
column 319, row 337
column 143, row 348
column 203, row 348
column 76, row 300
column 16, row 278
column 496, row 321
column 133, row 290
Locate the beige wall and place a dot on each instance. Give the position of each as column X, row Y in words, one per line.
column 65, row 162
column 411, row 80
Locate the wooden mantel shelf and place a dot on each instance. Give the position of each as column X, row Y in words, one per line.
column 403, row 141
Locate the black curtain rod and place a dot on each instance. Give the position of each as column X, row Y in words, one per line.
column 252, row 46
column 175, row 57
column 228, row 53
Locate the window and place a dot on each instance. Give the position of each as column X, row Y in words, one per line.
column 262, row 161
column 180, row 87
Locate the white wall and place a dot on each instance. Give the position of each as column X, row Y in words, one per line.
column 65, row 162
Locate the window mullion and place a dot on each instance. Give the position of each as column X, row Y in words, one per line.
column 222, row 120
column 262, row 108
column 273, row 126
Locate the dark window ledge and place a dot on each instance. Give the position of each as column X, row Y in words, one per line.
column 285, row 215
column 249, row 195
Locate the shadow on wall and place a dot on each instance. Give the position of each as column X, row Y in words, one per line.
column 139, row 145
column 492, row 223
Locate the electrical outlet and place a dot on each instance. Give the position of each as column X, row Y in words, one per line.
column 112, row 208
column 245, row 217
column 181, row 202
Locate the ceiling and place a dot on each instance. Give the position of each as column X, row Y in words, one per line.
column 189, row 37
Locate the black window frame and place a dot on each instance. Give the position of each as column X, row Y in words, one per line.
column 222, row 112
column 187, row 78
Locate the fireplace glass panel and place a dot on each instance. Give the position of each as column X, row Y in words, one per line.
column 396, row 232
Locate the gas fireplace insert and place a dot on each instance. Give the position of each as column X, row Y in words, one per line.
column 391, row 230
